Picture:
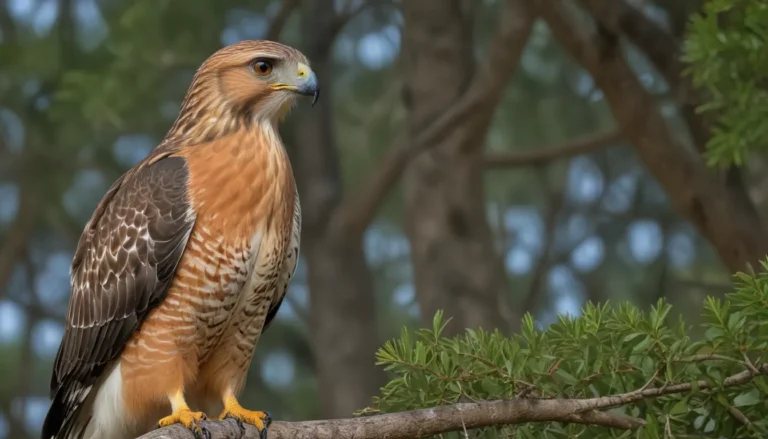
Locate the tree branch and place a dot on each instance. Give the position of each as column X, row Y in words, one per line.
column 280, row 19
column 696, row 192
column 18, row 234
column 359, row 208
column 351, row 11
column 664, row 52
column 458, row 417
column 542, row 156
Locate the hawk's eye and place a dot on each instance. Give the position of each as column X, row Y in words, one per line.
column 262, row 67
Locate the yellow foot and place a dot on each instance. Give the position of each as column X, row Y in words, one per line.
column 189, row 419
column 260, row 420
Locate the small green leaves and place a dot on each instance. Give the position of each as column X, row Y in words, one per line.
column 727, row 60
column 608, row 350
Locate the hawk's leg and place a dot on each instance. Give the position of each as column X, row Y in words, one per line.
column 184, row 416
column 233, row 409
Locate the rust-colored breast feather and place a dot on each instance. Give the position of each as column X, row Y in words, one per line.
column 238, row 261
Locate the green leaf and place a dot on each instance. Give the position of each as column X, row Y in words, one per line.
column 680, row 408
column 748, row 398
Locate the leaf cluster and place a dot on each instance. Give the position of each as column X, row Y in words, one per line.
column 727, row 55
column 607, row 350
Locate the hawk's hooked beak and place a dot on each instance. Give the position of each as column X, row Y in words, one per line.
column 306, row 83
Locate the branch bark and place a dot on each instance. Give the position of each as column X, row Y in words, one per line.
column 18, row 234
column 280, row 19
column 339, row 280
column 456, row 265
column 458, row 417
column 663, row 50
column 359, row 207
column 543, row 156
column 697, row 192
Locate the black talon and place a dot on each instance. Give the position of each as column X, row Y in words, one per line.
column 206, row 433
column 198, row 432
column 267, row 421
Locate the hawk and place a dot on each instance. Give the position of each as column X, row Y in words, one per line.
column 186, row 259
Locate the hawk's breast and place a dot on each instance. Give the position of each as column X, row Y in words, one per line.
column 245, row 198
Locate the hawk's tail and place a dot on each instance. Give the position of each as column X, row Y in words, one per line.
column 65, row 418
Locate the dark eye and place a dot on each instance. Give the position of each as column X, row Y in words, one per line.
column 262, row 67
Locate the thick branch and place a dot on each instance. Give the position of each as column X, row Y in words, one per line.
column 542, row 156
column 697, row 193
column 457, row 417
column 419, row 423
column 662, row 49
column 359, row 208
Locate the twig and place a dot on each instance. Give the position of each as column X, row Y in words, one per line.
column 739, row 415
column 540, row 270
column 18, row 234
column 433, row 421
column 545, row 155
column 359, row 208
column 695, row 191
column 280, row 19
column 350, row 12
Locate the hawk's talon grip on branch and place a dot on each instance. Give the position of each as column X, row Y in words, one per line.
column 205, row 433
column 258, row 419
column 188, row 419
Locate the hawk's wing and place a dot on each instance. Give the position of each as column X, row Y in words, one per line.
column 124, row 264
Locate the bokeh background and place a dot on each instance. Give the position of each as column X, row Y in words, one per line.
column 531, row 199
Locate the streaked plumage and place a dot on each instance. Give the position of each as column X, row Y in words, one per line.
column 186, row 259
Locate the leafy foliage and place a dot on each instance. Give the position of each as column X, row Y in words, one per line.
column 727, row 50
column 606, row 351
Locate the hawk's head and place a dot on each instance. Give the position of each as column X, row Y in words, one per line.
column 246, row 82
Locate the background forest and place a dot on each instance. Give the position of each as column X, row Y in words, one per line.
column 483, row 157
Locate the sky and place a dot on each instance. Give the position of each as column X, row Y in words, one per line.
column 585, row 182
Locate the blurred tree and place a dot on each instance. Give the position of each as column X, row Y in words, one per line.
column 729, row 222
column 339, row 280
column 456, row 266
column 567, row 206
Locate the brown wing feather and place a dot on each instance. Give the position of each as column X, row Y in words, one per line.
column 124, row 264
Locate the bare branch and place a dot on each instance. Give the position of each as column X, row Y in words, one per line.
column 664, row 52
column 351, row 11
column 456, row 417
column 538, row 275
column 542, row 156
column 359, row 208
column 419, row 423
column 280, row 19
column 18, row 234
column 696, row 192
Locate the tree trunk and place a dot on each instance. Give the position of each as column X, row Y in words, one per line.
column 456, row 267
column 342, row 317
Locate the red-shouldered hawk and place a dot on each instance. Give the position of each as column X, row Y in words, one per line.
column 186, row 259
